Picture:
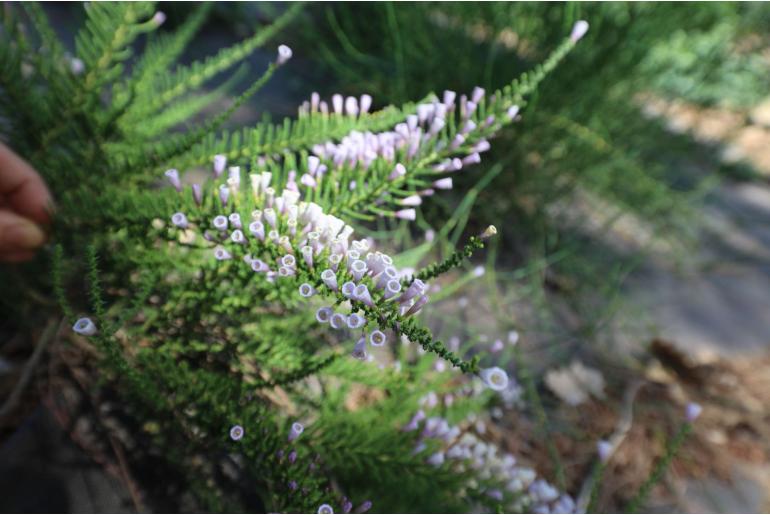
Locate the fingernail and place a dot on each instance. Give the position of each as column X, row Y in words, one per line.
column 23, row 235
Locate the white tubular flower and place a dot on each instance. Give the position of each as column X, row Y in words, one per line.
column 406, row 214
column 325, row 509
column 306, row 290
column 234, row 175
column 365, row 103
column 257, row 229
column 338, row 321
column 513, row 337
column 337, row 103
column 238, row 237
column 477, row 95
column 361, row 294
column 180, row 220
column 312, row 164
column 220, row 162
column 392, row 289
column 398, row 171
column 443, row 184
column 457, row 141
column 158, row 18
column 284, row 54
column 289, row 261
column 351, row 106
column 692, row 411
column 482, row 146
column 221, row 254
column 235, row 220
column 349, row 289
column 307, row 255
column 495, row 378
column 512, row 112
column 417, row 306
column 173, row 177
column 578, row 30
column 488, row 232
column 437, row 125
column 324, row 314
column 359, row 350
column 77, row 66
column 436, row 459
column 236, row 432
column 270, row 217
column 85, row 327
column 478, row 271
column 330, row 279
column 295, row 430
column 377, row 338
column 412, row 200
column 604, row 450
column 358, row 269
column 315, row 99
column 273, row 236
column 355, row 321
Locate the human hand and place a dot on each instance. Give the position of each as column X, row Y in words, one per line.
column 24, row 207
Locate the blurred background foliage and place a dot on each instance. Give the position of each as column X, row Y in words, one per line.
column 584, row 159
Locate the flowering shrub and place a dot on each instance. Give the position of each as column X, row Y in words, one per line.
column 215, row 308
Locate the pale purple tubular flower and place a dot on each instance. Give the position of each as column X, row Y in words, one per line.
column 386, row 275
column 220, row 223
column 482, row 146
column 472, row 159
column 270, row 217
column 365, row 506
column 220, row 162
column 512, row 112
column 392, row 289
column 490, row 121
column 358, row 269
column 443, row 184
column 361, row 294
column 604, row 450
column 337, row 103
column 307, row 255
column 292, row 457
column 257, row 229
column 449, row 98
column 417, row 306
column 349, row 289
column 234, row 176
column 77, row 66
column 289, row 261
column 224, row 194
column 292, row 485
column 497, row 346
column 437, row 125
column 325, row 509
column 692, row 411
column 365, row 103
column 377, row 338
column 221, row 254
column 436, row 459
column 284, row 54
column 295, row 430
column 470, row 107
column 412, row 200
column 354, row 321
column 238, row 237
column 197, row 194
column 338, row 321
column 495, row 378
column 351, row 106
column 414, row 423
column 158, row 18
column 315, row 99
column 324, row 314
column 236, row 432
column 235, row 220
column 416, row 288
column 312, row 164
column 306, row 290
column 457, row 141
column 85, row 327
column 259, row 266
column 323, row 107
column 180, row 220
column 477, row 95
column 308, row 180
column 578, row 30
column 330, row 279
column 406, row 214
column 173, row 177
column 359, row 350
column 398, row 171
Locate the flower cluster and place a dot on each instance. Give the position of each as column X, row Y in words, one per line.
column 519, row 488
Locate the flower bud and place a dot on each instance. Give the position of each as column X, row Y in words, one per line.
column 197, row 194
column 173, row 177
column 365, row 103
column 578, row 30
column 406, row 214
column 284, row 54
column 488, row 232
column 443, row 184
column 220, row 162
